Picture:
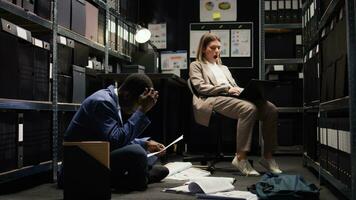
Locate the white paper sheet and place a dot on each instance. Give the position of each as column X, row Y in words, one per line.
column 175, row 141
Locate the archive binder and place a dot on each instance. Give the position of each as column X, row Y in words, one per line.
column 295, row 10
column 91, row 28
column 63, row 10
column 274, row 11
column 78, row 16
column 8, row 141
column 80, row 54
column 41, row 72
column 267, row 11
column 101, row 27
column 288, row 11
column 36, row 137
column 281, row 11
column 43, row 8
column 78, row 84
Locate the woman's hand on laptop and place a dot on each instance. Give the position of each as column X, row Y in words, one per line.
column 235, row 91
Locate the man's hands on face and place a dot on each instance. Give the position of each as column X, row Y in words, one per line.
column 236, row 91
column 147, row 99
column 153, row 146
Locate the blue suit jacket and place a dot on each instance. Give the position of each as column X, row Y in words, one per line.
column 98, row 118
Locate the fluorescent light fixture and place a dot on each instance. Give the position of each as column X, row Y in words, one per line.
column 142, row 35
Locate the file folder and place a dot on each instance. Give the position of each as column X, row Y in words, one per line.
column 43, row 9
column 78, row 84
column 91, row 28
column 267, row 11
column 41, row 74
column 281, row 11
column 274, row 11
column 63, row 10
column 37, row 138
column 78, row 17
column 8, row 141
column 80, row 54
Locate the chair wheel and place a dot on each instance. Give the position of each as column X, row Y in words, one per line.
column 211, row 169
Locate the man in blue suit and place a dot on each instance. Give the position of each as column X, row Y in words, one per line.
column 100, row 118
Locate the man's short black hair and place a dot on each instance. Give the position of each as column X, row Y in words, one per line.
column 135, row 84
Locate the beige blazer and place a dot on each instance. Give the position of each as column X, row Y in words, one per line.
column 203, row 80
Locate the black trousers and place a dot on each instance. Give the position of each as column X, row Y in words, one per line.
column 129, row 169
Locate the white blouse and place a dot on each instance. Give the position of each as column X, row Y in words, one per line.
column 219, row 74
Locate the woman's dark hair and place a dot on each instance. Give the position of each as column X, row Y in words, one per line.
column 135, row 84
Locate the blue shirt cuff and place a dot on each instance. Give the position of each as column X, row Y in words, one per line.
column 141, row 141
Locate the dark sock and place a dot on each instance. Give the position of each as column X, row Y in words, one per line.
column 157, row 173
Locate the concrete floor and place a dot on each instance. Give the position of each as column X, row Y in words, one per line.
column 290, row 165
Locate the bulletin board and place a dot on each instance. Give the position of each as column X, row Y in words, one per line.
column 237, row 42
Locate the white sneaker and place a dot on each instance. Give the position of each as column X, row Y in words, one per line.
column 244, row 167
column 271, row 165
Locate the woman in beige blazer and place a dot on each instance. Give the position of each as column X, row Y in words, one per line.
column 210, row 78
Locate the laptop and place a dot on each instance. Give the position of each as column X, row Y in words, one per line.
column 256, row 90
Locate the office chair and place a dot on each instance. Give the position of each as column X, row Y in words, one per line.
column 217, row 126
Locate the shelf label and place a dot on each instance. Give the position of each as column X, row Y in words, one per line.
column 278, row 67
column 50, row 70
column 62, row 40
column 300, row 75
column 21, row 33
column 298, row 39
column 20, row 131
column 90, row 64
column 112, row 26
column 323, row 33
column 38, row 42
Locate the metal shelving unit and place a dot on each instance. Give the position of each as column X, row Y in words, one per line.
column 282, row 26
column 284, row 61
column 25, row 171
column 15, row 104
column 36, row 24
column 278, row 28
column 32, row 20
column 323, row 174
column 329, row 11
column 342, row 106
column 336, row 104
column 290, row 109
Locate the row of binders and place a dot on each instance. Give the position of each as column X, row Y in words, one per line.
column 283, row 11
column 87, row 20
column 26, row 59
column 25, row 139
column 335, row 148
column 311, row 17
